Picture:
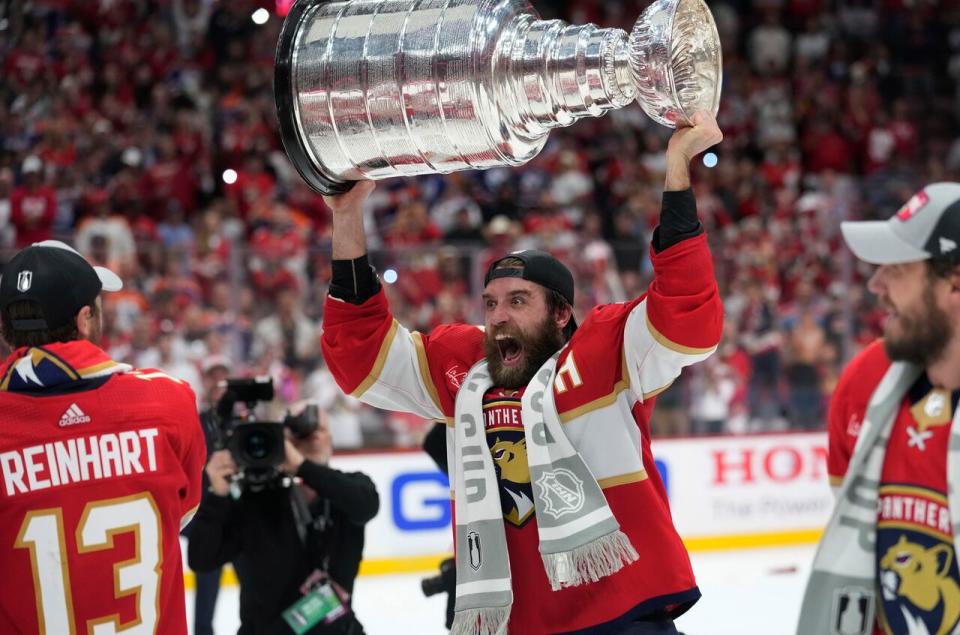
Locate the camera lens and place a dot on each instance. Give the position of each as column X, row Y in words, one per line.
column 432, row 586
column 258, row 446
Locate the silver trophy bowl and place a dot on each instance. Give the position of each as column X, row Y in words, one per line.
column 374, row 89
column 676, row 60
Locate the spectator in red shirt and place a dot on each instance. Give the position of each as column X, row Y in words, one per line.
column 826, row 149
column 26, row 63
column 33, row 205
column 254, row 187
column 904, row 130
column 169, row 181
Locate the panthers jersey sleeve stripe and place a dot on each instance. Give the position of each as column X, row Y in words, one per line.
column 678, row 322
column 378, row 362
column 683, row 302
column 604, row 401
column 673, row 346
column 653, row 366
column 623, row 479
column 424, row 365
column 397, row 378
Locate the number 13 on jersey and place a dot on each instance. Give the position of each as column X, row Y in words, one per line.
column 44, row 536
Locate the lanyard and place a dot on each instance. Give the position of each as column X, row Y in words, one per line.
column 305, row 521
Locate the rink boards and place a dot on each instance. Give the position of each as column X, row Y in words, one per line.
column 725, row 493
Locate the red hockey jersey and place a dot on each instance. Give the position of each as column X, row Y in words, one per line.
column 619, row 359
column 918, row 585
column 98, row 469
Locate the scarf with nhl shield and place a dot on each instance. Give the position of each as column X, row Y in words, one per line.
column 841, row 594
column 580, row 539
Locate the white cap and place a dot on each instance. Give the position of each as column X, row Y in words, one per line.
column 927, row 226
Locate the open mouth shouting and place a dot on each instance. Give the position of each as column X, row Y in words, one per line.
column 511, row 350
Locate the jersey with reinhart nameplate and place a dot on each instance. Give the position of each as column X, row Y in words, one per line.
column 96, row 476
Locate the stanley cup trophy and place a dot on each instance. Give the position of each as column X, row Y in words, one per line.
column 374, row 89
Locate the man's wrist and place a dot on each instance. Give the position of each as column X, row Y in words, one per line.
column 295, row 464
column 349, row 237
column 678, row 173
column 216, row 491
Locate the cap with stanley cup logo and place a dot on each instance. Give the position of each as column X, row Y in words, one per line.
column 58, row 279
column 927, row 226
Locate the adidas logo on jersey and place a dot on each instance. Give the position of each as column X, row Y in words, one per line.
column 73, row 416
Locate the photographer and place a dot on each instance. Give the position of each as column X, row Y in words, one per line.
column 445, row 581
column 292, row 540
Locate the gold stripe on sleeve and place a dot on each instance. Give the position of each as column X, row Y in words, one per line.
column 654, row 393
column 622, row 479
column 606, row 400
column 425, row 369
column 378, row 363
column 673, row 346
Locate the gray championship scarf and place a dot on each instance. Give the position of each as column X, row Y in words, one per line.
column 580, row 540
column 841, row 593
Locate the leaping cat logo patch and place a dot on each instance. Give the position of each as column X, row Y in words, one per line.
column 508, row 447
column 516, row 492
column 919, row 595
column 919, row 582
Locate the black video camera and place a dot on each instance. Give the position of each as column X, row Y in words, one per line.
column 257, row 447
column 446, row 580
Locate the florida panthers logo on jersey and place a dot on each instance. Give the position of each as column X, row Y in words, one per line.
column 508, row 446
column 916, row 564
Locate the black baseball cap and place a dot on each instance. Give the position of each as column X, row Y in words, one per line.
column 539, row 267
column 927, row 226
column 58, row 279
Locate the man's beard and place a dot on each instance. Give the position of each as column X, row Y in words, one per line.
column 538, row 346
column 924, row 339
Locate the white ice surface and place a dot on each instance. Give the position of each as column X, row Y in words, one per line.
column 750, row 592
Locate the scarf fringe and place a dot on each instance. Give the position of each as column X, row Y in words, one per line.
column 588, row 563
column 481, row 621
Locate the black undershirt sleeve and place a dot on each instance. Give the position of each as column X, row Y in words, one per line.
column 354, row 281
column 678, row 220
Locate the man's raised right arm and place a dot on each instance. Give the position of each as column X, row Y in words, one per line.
column 372, row 357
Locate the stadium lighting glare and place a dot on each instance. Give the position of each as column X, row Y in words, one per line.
column 390, row 276
column 229, row 176
column 710, row 160
column 260, row 16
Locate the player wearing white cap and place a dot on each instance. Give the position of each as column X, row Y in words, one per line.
column 887, row 561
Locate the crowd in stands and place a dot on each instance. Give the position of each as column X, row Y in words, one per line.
column 144, row 133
